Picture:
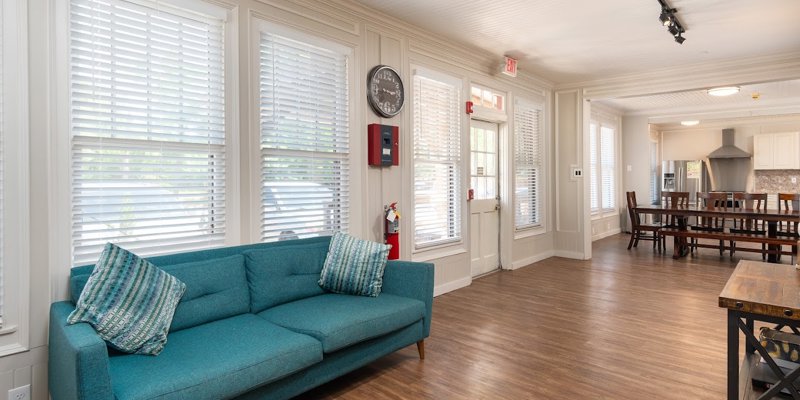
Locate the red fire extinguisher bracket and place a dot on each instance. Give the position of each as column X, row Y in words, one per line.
column 391, row 231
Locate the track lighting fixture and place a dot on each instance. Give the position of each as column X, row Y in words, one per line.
column 669, row 20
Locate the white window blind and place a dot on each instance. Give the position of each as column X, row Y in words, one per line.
column 437, row 161
column 147, row 128
column 305, row 149
column 594, row 170
column 527, row 165
column 608, row 156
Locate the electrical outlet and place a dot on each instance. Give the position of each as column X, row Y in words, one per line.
column 794, row 179
column 20, row 393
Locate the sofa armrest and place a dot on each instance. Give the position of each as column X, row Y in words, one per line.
column 77, row 359
column 414, row 280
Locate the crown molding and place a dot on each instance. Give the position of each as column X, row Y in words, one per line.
column 427, row 44
column 740, row 71
column 733, row 122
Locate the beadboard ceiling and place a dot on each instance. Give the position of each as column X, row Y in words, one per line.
column 756, row 98
column 583, row 40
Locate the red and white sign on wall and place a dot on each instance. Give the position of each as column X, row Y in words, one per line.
column 510, row 67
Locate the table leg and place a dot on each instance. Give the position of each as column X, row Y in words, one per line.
column 774, row 249
column 748, row 348
column 733, row 355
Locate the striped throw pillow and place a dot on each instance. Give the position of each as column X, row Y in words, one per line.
column 129, row 302
column 354, row 266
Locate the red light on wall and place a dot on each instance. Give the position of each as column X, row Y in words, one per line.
column 469, row 107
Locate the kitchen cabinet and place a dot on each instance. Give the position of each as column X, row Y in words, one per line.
column 776, row 151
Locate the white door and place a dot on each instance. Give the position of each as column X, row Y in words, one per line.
column 485, row 207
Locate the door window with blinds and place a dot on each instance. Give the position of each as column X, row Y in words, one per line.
column 437, row 159
column 602, row 167
column 305, row 142
column 528, row 146
column 147, row 128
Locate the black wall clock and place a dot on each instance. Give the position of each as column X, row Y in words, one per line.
column 385, row 92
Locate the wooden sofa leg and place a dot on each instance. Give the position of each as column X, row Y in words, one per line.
column 421, row 349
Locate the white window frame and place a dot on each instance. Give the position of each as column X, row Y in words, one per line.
column 443, row 247
column 357, row 160
column 60, row 169
column 541, row 184
column 14, row 336
column 604, row 119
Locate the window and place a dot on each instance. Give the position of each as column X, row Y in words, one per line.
column 602, row 166
column 487, row 98
column 527, row 164
column 147, row 128
column 305, row 151
column 437, row 159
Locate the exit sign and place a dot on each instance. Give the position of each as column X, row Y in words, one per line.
column 510, row 67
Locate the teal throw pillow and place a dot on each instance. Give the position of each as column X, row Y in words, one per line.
column 354, row 266
column 129, row 302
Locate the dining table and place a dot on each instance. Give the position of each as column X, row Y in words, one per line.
column 681, row 247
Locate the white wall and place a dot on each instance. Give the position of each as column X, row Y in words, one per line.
column 375, row 41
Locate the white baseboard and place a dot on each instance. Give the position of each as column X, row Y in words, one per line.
column 606, row 234
column 451, row 286
column 569, row 254
column 532, row 259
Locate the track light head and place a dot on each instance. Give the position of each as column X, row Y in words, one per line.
column 680, row 39
column 674, row 30
column 666, row 18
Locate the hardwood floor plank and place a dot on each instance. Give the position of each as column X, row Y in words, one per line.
column 624, row 325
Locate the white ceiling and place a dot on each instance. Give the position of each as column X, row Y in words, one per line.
column 583, row 40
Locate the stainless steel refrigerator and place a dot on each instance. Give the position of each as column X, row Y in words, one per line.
column 684, row 176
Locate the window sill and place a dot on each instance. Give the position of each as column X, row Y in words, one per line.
column 529, row 232
column 438, row 252
column 8, row 330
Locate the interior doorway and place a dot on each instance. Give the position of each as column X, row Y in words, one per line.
column 485, row 206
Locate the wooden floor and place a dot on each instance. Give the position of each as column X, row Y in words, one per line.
column 624, row 325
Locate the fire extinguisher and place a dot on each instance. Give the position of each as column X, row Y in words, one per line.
column 392, row 230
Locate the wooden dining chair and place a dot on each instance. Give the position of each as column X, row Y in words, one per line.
column 639, row 230
column 672, row 200
column 789, row 201
column 710, row 201
column 750, row 226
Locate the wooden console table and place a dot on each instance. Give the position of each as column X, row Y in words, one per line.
column 758, row 291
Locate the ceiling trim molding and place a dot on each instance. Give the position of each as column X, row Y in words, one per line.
column 695, row 76
column 713, row 117
column 759, row 120
column 422, row 41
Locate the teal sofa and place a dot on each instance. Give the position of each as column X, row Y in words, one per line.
column 253, row 323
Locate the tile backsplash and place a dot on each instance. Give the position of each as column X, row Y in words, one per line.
column 777, row 181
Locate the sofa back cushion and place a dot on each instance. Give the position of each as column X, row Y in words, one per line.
column 215, row 289
column 278, row 275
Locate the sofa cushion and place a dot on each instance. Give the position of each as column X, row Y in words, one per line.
column 279, row 275
column 340, row 320
column 354, row 266
column 129, row 301
column 220, row 359
column 215, row 289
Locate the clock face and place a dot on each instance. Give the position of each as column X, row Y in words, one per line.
column 385, row 91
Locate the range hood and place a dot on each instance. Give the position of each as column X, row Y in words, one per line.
column 728, row 149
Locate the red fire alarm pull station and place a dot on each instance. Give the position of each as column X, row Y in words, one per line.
column 383, row 145
column 469, row 107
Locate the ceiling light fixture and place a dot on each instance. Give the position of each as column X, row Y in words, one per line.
column 669, row 20
column 690, row 123
column 723, row 91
